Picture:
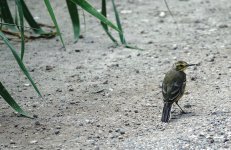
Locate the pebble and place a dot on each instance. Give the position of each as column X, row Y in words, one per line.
column 33, row 142
column 105, row 82
column 77, row 50
column 210, row 140
column 187, row 106
column 12, row 142
column 57, row 132
column 122, row 132
column 223, row 26
column 27, row 84
column 48, row 67
column 35, row 116
column 37, row 123
column 174, row 47
column 71, row 89
column 162, row 14
column 193, row 78
column 59, row 90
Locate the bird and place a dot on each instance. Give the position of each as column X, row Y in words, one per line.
column 173, row 87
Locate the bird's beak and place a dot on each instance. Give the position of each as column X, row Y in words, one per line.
column 191, row 65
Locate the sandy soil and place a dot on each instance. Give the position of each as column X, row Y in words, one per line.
column 97, row 96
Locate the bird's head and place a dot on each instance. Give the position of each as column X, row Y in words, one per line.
column 181, row 65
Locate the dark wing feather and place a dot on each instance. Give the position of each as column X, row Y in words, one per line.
column 173, row 85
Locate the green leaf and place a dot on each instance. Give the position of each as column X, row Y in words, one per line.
column 6, row 15
column 73, row 11
column 105, row 27
column 87, row 7
column 7, row 97
column 51, row 12
column 19, row 61
column 21, row 28
column 30, row 19
column 122, row 38
column 133, row 47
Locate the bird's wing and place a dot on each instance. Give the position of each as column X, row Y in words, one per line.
column 173, row 89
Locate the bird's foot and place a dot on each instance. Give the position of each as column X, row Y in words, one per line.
column 183, row 112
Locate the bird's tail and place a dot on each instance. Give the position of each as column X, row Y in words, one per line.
column 166, row 112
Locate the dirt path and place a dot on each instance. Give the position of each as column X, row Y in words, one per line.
column 97, row 96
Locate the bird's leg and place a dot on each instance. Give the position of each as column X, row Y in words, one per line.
column 180, row 108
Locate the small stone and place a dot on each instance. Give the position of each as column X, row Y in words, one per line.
column 37, row 123
column 225, row 140
column 136, row 111
column 113, row 136
column 88, row 121
column 12, row 142
column 117, row 130
column 193, row 78
column 57, row 132
column 48, row 67
column 33, row 142
column 35, row 116
column 142, row 32
column 105, row 82
column 187, row 106
column 115, row 65
column 223, row 26
column 34, row 105
column 27, row 84
column 122, row 132
column 79, row 67
column 162, row 14
column 210, row 140
column 138, row 123
column 127, row 124
column 150, row 42
column 81, row 36
column 161, row 21
column 77, row 50
column 174, row 47
column 71, row 89
column 197, row 21
column 59, row 90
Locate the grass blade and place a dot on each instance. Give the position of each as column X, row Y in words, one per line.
column 87, row 7
column 7, row 97
column 73, row 11
column 19, row 61
column 51, row 12
column 105, row 27
column 30, row 19
column 6, row 15
column 21, row 28
column 122, row 38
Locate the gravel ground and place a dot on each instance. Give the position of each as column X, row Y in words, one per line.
column 97, row 96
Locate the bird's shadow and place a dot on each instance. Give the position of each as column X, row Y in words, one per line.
column 178, row 114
